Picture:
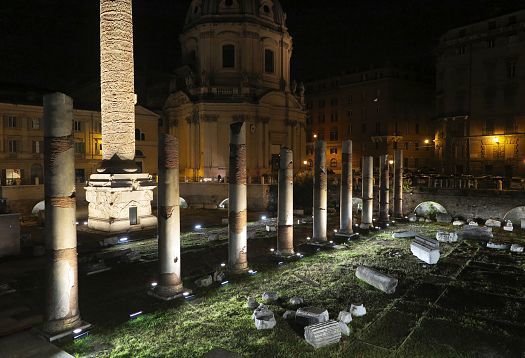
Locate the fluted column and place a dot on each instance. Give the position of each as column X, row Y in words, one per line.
column 345, row 202
column 320, row 192
column 285, row 203
column 237, row 208
column 368, row 192
column 170, row 279
column 61, row 312
column 384, row 192
column 398, row 183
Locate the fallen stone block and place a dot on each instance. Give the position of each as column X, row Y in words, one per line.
column 296, row 301
column 251, row 303
column 289, row 315
column 311, row 315
column 443, row 218
column 204, row 281
column 270, row 296
column 322, row 334
column 213, row 237
column 345, row 317
column 263, row 318
column 497, row 245
column 426, row 250
column 458, row 223
column 271, row 228
column 476, row 232
column 345, row 330
column 473, row 223
column 443, row 236
column 516, row 248
column 493, row 223
column 357, row 309
column 377, row 279
column 508, row 226
column 404, row 234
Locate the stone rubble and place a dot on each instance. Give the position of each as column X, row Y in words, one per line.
column 311, row 315
column 508, row 226
column 493, row 223
column 458, row 223
column 296, row 301
column 345, row 330
column 516, row 248
column 404, row 234
column 345, row 317
column 251, row 303
column 497, row 245
column 289, row 315
column 473, row 223
column 443, row 236
column 322, row 334
column 426, row 250
column 270, row 296
column 263, row 318
column 357, row 309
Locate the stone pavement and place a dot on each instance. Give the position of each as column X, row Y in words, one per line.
column 29, row 345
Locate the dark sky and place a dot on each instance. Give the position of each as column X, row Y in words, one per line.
column 54, row 43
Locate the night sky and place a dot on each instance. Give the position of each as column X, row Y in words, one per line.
column 53, row 44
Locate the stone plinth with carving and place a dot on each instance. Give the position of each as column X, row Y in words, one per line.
column 118, row 202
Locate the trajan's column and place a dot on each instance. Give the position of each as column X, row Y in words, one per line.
column 118, row 196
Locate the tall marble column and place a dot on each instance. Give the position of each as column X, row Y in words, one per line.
column 285, row 203
column 170, row 279
column 61, row 312
column 345, row 203
column 398, row 183
column 237, row 208
column 320, row 192
column 367, row 174
column 384, row 191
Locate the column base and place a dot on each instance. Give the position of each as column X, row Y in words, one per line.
column 168, row 293
column 55, row 330
column 346, row 235
column 238, row 269
column 366, row 226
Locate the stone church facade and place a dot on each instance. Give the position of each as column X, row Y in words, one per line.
column 236, row 56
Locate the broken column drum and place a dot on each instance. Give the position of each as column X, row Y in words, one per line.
column 384, row 190
column 345, row 219
column 170, row 282
column 377, row 279
column 61, row 312
column 398, row 183
column 237, row 208
column 285, row 203
column 368, row 192
column 320, row 192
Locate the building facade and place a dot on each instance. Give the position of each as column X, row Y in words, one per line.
column 237, row 68
column 379, row 110
column 480, row 87
column 22, row 143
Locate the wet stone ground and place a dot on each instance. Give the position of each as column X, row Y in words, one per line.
column 471, row 304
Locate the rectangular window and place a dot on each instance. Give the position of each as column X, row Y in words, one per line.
column 407, row 145
column 35, row 123
column 77, row 126
column 363, row 128
column 321, row 118
column 416, row 146
column 13, row 146
column 36, row 147
column 13, row 176
column 491, row 43
column 334, row 135
column 269, row 61
column 228, row 56
column 511, row 70
column 80, row 148
column 333, row 150
column 462, row 50
column 321, row 103
column 10, row 122
column 349, row 100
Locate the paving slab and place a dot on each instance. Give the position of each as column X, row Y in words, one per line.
column 29, row 345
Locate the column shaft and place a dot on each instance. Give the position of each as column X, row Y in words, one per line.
column 384, row 193
column 237, row 211
column 170, row 280
column 345, row 202
column 61, row 234
column 368, row 192
column 320, row 192
column 398, row 183
column 285, row 203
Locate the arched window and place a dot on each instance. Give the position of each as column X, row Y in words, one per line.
column 228, row 56
column 269, row 61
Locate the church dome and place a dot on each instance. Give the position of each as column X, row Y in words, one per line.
column 266, row 12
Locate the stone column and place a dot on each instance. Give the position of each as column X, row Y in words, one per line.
column 237, row 213
column 170, row 280
column 398, row 183
column 320, row 192
column 384, row 192
column 61, row 312
column 345, row 202
column 117, row 84
column 285, row 205
column 368, row 192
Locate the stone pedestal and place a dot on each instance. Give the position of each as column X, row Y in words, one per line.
column 119, row 202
